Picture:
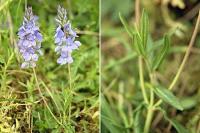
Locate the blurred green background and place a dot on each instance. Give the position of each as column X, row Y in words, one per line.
column 120, row 80
column 21, row 106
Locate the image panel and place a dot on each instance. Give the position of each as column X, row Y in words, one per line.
column 49, row 66
column 150, row 66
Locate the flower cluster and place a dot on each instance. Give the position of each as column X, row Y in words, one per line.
column 30, row 40
column 65, row 38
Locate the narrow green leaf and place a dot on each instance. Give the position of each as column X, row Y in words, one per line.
column 168, row 97
column 155, row 45
column 109, row 119
column 144, row 28
column 189, row 102
column 161, row 55
column 141, row 34
column 138, row 120
column 138, row 43
column 135, row 44
column 179, row 128
column 125, row 24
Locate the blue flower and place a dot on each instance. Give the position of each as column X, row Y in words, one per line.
column 30, row 39
column 65, row 38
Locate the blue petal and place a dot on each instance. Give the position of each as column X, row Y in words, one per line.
column 74, row 47
column 60, row 34
column 64, row 54
column 66, row 49
column 36, row 28
column 30, row 37
column 67, row 27
column 38, row 36
column 27, row 56
column 30, row 50
column 35, row 57
column 25, row 65
column 25, row 43
column 77, row 43
column 20, row 43
column 21, row 32
column 69, row 41
column 57, row 40
column 69, row 60
column 59, row 27
column 61, row 61
column 32, row 43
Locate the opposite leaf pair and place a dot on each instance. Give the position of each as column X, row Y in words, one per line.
column 30, row 39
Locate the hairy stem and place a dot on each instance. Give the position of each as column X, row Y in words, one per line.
column 140, row 62
column 186, row 54
column 148, row 119
column 45, row 102
column 191, row 43
column 150, row 111
column 142, row 80
column 70, row 88
column 70, row 81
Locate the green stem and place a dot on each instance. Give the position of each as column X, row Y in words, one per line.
column 151, row 96
column 25, row 4
column 150, row 111
column 70, row 88
column 185, row 57
column 142, row 80
column 187, row 53
column 148, row 119
column 70, row 81
column 38, row 86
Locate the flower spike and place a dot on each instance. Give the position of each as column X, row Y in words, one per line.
column 30, row 39
column 65, row 38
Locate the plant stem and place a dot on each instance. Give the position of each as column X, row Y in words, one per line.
column 150, row 111
column 150, row 108
column 152, row 80
column 38, row 86
column 137, row 11
column 140, row 62
column 70, row 82
column 151, row 96
column 148, row 119
column 142, row 80
column 70, row 88
column 185, row 57
column 186, row 54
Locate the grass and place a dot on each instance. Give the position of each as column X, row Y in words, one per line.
column 43, row 99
